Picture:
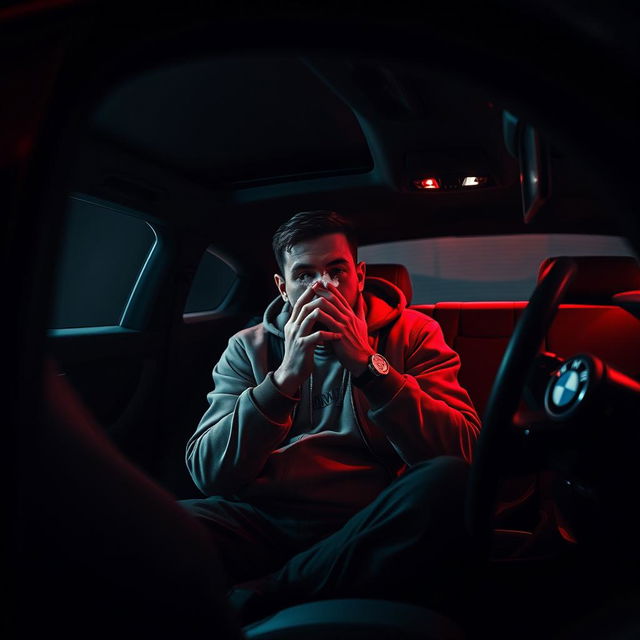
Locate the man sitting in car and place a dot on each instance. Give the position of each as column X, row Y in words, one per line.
column 337, row 440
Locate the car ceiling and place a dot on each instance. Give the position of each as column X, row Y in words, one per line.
column 266, row 136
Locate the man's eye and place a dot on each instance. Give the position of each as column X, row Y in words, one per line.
column 336, row 273
column 303, row 277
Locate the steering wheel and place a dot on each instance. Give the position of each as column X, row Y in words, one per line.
column 492, row 450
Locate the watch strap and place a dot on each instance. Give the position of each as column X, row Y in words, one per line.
column 369, row 374
column 363, row 379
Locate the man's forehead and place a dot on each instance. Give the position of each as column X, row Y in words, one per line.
column 319, row 251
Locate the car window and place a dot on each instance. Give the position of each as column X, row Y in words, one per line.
column 103, row 254
column 213, row 281
column 493, row 268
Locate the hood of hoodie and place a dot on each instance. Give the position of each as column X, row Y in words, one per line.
column 384, row 303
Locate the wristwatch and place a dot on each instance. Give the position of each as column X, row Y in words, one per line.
column 377, row 367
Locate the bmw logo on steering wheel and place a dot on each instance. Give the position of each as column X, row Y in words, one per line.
column 567, row 387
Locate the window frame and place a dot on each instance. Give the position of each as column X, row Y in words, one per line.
column 137, row 310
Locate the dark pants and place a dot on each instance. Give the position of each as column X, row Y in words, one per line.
column 409, row 544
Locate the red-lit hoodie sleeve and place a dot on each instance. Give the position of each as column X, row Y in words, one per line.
column 424, row 412
column 244, row 423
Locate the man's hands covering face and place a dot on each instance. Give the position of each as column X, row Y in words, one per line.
column 346, row 329
column 353, row 348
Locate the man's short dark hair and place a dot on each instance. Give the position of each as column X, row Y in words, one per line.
column 308, row 225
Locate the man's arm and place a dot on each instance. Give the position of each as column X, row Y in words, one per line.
column 424, row 412
column 244, row 423
column 247, row 421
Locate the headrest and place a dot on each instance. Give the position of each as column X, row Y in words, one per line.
column 396, row 274
column 599, row 278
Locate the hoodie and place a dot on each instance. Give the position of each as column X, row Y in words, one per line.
column 333, row 447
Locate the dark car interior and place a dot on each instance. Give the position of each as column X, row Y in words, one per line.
column 149, row 157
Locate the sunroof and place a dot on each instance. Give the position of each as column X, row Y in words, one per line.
column 236, row 120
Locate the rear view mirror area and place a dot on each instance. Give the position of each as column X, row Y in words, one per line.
column 525, row 143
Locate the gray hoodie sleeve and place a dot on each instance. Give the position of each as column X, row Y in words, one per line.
column 244, row 423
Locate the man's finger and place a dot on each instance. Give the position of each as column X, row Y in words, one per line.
column 301, row 301
column 320, row 303
column 338, row 294
column 318, row 315
column 332, row 293
column 321, row 336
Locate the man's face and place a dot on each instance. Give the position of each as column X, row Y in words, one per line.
column 327, row 257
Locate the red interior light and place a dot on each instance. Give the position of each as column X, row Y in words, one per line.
column 427, row 183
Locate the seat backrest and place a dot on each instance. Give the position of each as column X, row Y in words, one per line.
column 590, row 321
column 396, row 274
column 479, row 333
column 598, row 278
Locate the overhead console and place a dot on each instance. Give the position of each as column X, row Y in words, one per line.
column 463, row 169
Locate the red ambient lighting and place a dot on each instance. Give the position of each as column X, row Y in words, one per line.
column 427, row 183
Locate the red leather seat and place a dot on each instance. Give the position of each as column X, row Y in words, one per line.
column 396, row 274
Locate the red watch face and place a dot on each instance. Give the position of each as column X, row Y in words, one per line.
column 380, row 364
